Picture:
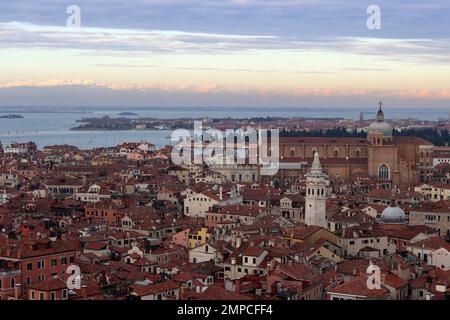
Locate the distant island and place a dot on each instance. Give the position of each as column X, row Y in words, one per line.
column 128, row 114
column 11, row 116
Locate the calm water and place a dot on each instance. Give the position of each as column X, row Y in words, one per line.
column 47, row 126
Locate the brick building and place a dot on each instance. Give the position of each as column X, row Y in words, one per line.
column 34, row 261
column 400, row 160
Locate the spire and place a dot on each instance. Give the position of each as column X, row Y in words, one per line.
column 316, row 167
column 380, row 113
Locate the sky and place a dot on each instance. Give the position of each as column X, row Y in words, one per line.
column 286, row 53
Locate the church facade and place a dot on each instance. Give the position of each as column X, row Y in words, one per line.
column 398, row 160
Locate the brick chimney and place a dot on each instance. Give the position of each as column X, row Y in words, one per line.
column 237, row 286
column 84, row 291
column 17, row 291
column 183, row 292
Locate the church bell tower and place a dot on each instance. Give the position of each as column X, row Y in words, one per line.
column 317, row 184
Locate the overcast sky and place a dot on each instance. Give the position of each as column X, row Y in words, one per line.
column 225, row 52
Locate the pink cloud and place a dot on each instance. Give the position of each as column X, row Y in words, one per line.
column 243, row 90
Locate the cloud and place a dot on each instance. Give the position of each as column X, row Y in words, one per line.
column 284, row 18
column 138, row 89
column 95, row 40
column 21, row 35
column 47, row 83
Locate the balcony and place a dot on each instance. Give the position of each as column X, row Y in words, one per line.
column 8, row 273
column 9, row 268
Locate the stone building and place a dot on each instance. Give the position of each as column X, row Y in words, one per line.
column 317, row 192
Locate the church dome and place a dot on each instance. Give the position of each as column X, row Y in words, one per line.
column 393, row 214
column 383, row 127
column 380, row 125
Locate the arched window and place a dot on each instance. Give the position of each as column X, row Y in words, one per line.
column 358, row 153
column 287, row 182
column 276, row 183
column 336, row 152
column 383, row 172
column 292, row 152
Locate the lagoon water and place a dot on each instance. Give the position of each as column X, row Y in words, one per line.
column 49, row 126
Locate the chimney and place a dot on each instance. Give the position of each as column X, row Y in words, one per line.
column 233, row 240
column 383, row 277
column 17, row 291
column 221, row 193
column 238, row 286
column 183, row 292
column 269, row 268
column 233, row 261
column 84, row 291
column 238, row 242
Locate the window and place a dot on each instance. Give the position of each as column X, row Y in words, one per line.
column 52, row 295
column 63, row 261
column 13, row 282
column 383, row 172
column 53, row 262
column 254, row 260
column 72, row 259
column 41, row 264
column 336, row 153
column 32, row 295
column 29, row 266
column 41, row 277
column 358, row 153
column 28, row 281
column 292, row 152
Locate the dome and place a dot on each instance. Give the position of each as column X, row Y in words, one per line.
column 393, row 214
column 382, row 127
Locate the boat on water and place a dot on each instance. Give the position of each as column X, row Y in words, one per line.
column 11, row 116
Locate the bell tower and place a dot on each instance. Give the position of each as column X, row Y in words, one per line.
column 317, row 184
